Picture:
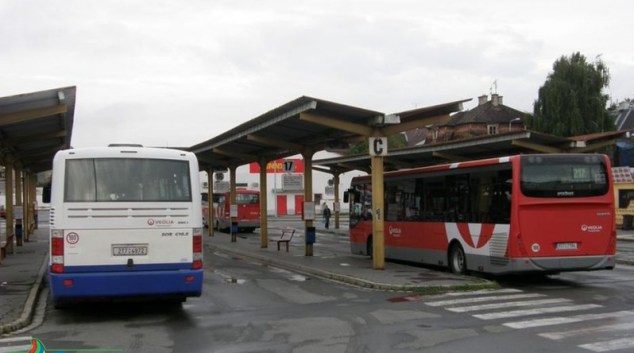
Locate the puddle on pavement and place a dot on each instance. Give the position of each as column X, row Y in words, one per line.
column 235, row 280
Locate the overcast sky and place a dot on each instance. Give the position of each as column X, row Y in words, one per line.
column 179, row 72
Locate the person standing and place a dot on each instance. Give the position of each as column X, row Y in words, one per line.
column 326, row 216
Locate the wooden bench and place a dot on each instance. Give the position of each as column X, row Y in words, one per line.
column 287, row 235
column 5, row 244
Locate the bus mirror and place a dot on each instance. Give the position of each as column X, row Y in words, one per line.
column 345, row 196
column 46, row 194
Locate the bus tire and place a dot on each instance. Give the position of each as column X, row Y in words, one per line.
column 457, row 260
column 369, row 247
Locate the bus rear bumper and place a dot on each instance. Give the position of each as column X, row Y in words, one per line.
column 565, row 264
column 126, row 284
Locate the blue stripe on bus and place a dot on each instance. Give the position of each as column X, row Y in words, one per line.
column 126, row 284
column 125, row 268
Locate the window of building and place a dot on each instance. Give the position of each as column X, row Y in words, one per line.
column 493, row 129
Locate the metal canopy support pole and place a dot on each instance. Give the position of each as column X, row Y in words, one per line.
column 308, row 198
column 378, row 244
column 338, row 208
column 210, row 201
column 232, row 203
column 19, row 228
column 8, row 199
column 264, row 223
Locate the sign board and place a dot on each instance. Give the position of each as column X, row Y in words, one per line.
column 220, row 176
column 277, row 166
column 377, row 146
column 221, row 187
column 289, row 166
column 309, row 211
column 233, row 210
column 330, row 190
column 17, row 212
column 336, row 206
column 293, row 182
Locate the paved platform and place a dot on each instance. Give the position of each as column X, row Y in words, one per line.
column 22, row 274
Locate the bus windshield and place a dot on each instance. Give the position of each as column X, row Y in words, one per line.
column 563, row 176
column 127, row 180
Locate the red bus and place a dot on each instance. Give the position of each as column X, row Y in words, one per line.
column 248, row 202
column 528, row 213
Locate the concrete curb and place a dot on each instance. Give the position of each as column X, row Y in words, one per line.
column 482, row 283
column 30, row 303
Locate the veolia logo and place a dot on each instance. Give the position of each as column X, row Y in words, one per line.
column 591, row 228
column 396, row 232
column 150, row 222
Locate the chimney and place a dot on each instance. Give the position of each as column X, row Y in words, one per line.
column 500, row 100
column 494, row 99
column 482, row 99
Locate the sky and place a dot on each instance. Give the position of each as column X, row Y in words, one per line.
column 175, row 73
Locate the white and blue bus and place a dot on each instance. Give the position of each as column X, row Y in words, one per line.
column 125, row 224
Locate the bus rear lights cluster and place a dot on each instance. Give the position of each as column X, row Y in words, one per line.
column 57, row 251
column 197, row 263
column 68, row 283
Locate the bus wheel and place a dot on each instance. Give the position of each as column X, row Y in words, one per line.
column 369, row 247
column 457, row 260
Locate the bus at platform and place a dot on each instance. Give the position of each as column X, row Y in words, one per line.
column 546, row 213
column 125, row 224
column 248, row 204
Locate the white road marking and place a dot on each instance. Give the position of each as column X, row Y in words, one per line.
column 609, row 345
column 537, row 311
column 566, row 320
column 464, row 309
column 483, row 299
column 587, row 331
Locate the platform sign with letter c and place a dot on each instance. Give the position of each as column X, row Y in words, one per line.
column 377, row 146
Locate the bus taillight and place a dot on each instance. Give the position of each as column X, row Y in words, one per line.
column 57, row 251
column 197, row 264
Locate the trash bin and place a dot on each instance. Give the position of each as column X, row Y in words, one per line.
column 627, row 222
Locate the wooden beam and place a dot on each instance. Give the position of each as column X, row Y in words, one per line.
column 449, row 156
column 275, row 143
column 593, row 147
column 355, row 167
column 22, row 140
column 535, row 147
column 358, row 129
column 31, row 114
column 414, row 124
column 247, row 157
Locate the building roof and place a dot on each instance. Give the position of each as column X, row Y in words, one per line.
column 34, row 126
column 491, row 112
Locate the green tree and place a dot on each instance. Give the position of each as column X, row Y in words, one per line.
column 571, row 101
column 394, row 141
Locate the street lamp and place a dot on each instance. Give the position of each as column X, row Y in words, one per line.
column 516, row 119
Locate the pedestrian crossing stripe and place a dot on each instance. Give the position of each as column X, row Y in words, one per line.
column 587, row 331
column 566, row 320
column 484, row 299
column 464, row 309
column 536, row 311
column 609, row 345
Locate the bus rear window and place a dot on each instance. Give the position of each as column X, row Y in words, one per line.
column 563, row 176
column 247, row 199
column 127, row 180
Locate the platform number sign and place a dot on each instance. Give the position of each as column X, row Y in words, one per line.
column 289, row 166
column 377, row 146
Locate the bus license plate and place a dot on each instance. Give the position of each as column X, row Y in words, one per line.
column 566, row 246
column 129, row 250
